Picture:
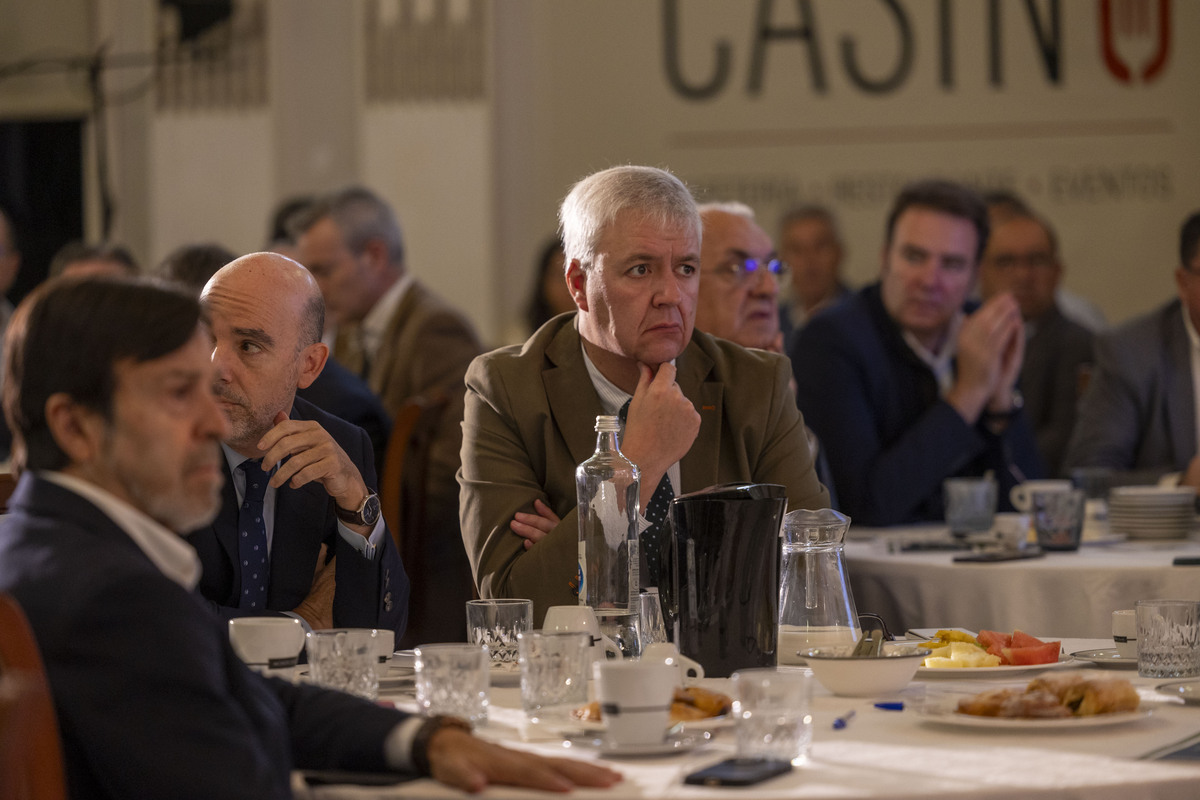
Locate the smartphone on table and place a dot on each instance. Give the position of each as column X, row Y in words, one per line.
column 739, row 772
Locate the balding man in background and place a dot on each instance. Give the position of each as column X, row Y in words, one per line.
column 299, row 529
column 739, row 278
column 335, row 389
column 408, row 344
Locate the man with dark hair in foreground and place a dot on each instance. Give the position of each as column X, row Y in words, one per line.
column 109, row 392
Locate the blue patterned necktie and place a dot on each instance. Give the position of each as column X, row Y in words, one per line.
column 252, row 538
column 650, row 540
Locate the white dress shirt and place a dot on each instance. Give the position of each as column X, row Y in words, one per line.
column 611, row 399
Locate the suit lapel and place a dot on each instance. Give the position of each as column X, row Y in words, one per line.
column 573, row 402
column 225, row 526
column 385, row 359
column 698, row 469
column 299, row 514
column 1181, row 414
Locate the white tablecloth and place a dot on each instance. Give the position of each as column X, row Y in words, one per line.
column 1076, row 591
column 897, row 755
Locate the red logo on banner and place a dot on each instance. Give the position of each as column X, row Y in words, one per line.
column 1130, row 26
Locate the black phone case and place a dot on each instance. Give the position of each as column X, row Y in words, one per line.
column 738, row 772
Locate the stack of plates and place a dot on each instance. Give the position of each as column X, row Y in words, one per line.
column 1152, row 512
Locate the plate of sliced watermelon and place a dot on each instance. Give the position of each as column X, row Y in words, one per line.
column 992, row 653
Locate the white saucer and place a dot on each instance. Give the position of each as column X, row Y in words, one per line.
column 1108, row 657
column 1188, row 691
column 672, row 745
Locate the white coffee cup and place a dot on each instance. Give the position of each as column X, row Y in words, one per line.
column 1124, row 626
column 668, row 653
column 568, row 619
column 267, row 642
column 635, row 699
column 1022, row 494
column 1011, row 529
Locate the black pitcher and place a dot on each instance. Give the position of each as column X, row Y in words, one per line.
column 721, row 575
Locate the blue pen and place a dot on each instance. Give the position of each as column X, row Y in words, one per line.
column 843, row 720
column 890, row 706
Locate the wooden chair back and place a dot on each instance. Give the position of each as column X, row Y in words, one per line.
column 31, row 766
column 403, row 500
column 8, row 483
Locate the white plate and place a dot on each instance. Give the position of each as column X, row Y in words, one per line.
column 1189, row 691
column 988, row 672
column 1020, row 724
column 673, row 744
column 1108, row 657
column 397, row 677
column 686, row 726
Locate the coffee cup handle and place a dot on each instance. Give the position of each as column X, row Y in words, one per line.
column 1019, row 498
column 691, row 668
column 610, row 646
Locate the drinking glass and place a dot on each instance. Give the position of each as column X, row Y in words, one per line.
column 452, row 679
column 1058, row 518
column 344, row 659
column 970, row 504
column 554, row 674
column 650, row 617
column 772, row 712
column 497, row 623
column 1168, row 638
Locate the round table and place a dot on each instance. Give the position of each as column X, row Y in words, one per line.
column 1074, row 591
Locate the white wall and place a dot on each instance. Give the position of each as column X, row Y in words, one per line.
column 212, row 179
column 432, row 163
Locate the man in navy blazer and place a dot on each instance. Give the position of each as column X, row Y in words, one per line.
column 108, row 390
column 903, row 386
column 331, row 558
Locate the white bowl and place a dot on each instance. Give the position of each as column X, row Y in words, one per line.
column 846, row 676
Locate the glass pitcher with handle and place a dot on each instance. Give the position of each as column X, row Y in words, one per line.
column 816, row 606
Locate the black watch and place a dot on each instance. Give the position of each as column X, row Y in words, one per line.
column 366, row 514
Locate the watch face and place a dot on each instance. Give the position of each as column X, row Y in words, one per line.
column 370, row 511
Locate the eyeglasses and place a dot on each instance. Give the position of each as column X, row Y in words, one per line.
column 741, row 272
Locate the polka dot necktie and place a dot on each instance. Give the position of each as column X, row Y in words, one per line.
column 252, row 537
column 649, row 541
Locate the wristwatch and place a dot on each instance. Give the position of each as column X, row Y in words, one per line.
column 1017, row 402
column 366, row 514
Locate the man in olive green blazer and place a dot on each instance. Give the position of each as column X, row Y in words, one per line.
column 703, row 410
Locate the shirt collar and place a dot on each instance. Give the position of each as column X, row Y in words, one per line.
column 374, row 324
column 173, row 557
column 941, row 363
column 612, row 397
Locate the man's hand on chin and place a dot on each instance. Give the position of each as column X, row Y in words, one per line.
column 661, row 426
column 312, row 455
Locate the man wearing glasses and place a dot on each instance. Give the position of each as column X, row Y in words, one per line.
column 739, row 278
column 1022, row 258
column 701, row 411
